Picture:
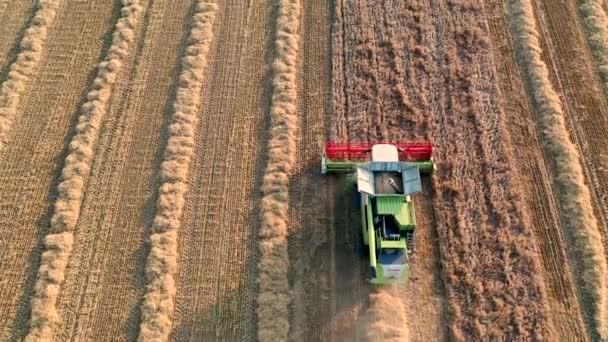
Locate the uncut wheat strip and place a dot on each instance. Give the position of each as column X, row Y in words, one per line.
column 595, row 22
column 159, row 300
column 59, row 239
column 273, row 298
column 22, row 70
column 575, row 204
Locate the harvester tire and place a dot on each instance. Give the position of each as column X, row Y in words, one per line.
column 361, row 248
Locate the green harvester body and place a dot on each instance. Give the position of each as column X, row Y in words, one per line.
column 385, row 187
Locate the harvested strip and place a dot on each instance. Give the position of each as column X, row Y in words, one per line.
column 596, row 24
column 158, row 305
column 576, row 210
column 273, row 298
column 58, row 242
column 22, row 70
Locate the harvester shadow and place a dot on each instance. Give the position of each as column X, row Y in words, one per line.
column 336, row 294
column 20, row 325
column 327, row 264
column 232, row 315
column 221, row 321
column 352, row 288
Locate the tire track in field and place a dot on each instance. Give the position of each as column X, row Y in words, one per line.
column 350, row 269
column 571, row 72
column 345, row 289
column 218, row 282
column 345, row 270
column 21, row 71
column 158, row 305
column 58, row 242
column 360, row 82
column 309, row 234
column 274, row 297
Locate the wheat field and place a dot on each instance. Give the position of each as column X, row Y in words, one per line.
column 160, row 169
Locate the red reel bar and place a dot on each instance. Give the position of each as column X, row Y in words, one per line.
column 413, row 151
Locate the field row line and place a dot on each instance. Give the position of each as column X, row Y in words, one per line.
column 576, row 210
column 22, row 70
column 159, row 300
column 58, row 243
column 274, row 297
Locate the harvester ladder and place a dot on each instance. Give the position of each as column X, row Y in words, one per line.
column 409, row 237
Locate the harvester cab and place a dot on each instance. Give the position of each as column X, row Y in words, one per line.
column 387, row 175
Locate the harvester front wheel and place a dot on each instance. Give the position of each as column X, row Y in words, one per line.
column 361, row 248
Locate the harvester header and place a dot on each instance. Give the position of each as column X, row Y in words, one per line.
column 343, row 157
column 361, row 150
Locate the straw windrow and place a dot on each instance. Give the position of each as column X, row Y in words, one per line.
column 159, row 301
column 575, row 199
column 273, row 298
column 58, row 243
column 22, row 70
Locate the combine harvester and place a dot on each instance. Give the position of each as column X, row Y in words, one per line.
column 385, row 185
